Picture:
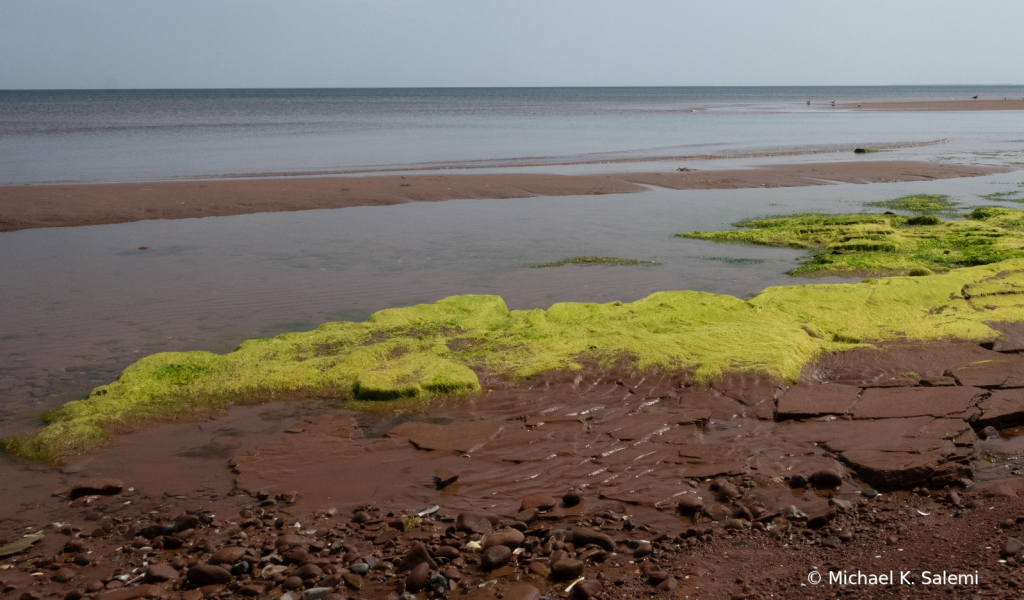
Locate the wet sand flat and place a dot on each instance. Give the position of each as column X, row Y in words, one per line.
column 942, row 105
column 27, row 207
column 647, row 479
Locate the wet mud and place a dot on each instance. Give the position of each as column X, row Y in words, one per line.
column 642, row 484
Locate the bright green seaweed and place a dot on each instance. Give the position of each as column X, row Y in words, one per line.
column 605, row 261
column 923, row 204
column 437, row 349
column 885, row 244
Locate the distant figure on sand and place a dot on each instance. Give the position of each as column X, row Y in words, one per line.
column 974, row 97
column 808, row 103
column 833, row 103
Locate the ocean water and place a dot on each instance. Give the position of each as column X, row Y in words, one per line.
column 101, row 136
column 78, row 305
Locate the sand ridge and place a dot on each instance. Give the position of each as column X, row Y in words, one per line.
column 27, row 207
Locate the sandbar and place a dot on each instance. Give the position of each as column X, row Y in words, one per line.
column 34, row 206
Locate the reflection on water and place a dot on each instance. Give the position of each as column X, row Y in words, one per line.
column 80, row 304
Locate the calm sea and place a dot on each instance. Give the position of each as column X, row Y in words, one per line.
column 79, row 304
column 93, row 136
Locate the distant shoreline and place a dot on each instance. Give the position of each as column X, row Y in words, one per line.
column 28, row 207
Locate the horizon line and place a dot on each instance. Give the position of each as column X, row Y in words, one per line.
column 501, row 87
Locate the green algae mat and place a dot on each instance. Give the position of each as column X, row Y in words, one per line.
column 885, row 243
column 438, row 349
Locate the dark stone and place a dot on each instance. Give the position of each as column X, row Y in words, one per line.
column 826, row 479
column 97, row 487
column 586, row 589
column 821, row 519
column 538, row 501
column 417, row 554
column 160, row 573
column 208, row 575
column 494, row 557
column 582, row 536
column 728, row 492
column 353, row 580
column 229, row 555
column 1012, row 547
column 476, row 522
column 418, row 577
column 566, row 569
column 308, row 571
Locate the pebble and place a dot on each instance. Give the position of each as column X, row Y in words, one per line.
column 437, row 582
column 831, row 542
column 418, row 577
column 826, row 479
column 792, row 513
column 64, row 575
column 353, row 580
column 308, row 571
column 360, row 568
column 512, row 538
column 988, row 433
column 494, row 557
column 690, row 504
column 471, row 522
column 252, row 589
column 202, row 575
column 581, row 536
column 566, row 569
column 571, row 499
column 538, row 501
column 161, row 572
column 1012, row 547
column 869, row 493
column 295, row 556
column 416, row 555
column 727, row 492
column 449, row 552
column 586, row 589
column 229, row 555
column 843, row 506
column 643, row 550
column 316, row 593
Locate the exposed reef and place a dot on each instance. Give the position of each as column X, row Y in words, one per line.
column 887, row 244
column 444, row 348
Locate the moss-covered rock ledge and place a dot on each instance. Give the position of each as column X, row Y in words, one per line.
column 885, row 243
column 437, row 348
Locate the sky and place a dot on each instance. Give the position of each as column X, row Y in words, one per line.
column 104, row 44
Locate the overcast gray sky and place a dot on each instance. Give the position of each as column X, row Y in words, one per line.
column 398, row 43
